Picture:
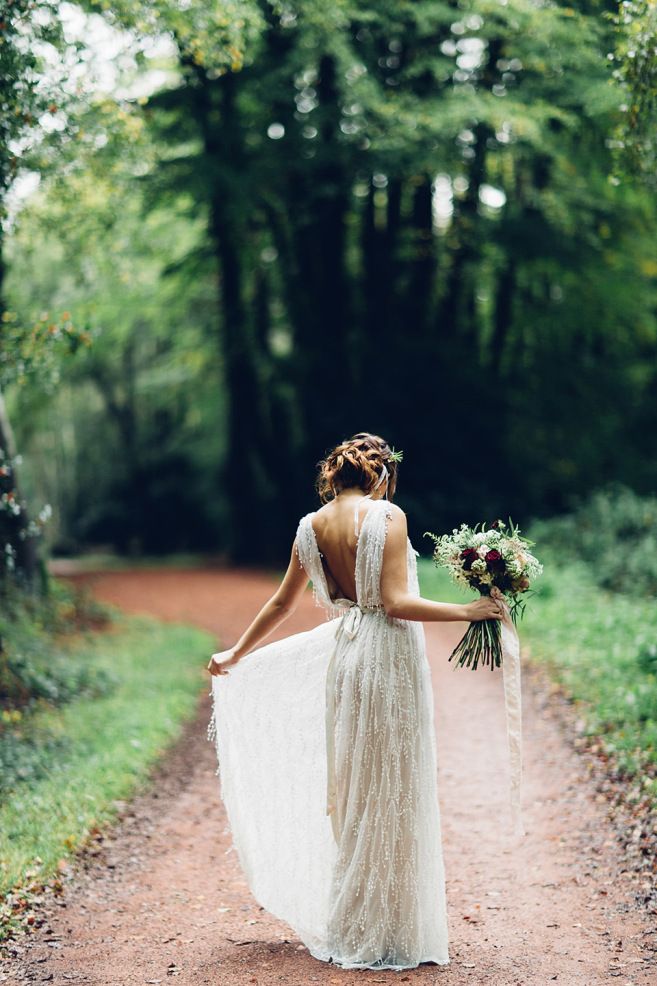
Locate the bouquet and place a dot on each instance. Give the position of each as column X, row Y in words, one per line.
column 480, row 559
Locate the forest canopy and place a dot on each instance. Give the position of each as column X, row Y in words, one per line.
column 259, row 227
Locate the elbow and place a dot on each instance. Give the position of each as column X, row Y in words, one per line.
column 394, row 607
column 283, row 607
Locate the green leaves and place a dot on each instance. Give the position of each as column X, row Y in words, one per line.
column 216, row 36
column 634, row 63
column 400, row 197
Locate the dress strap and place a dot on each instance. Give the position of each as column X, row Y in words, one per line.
column 356, row 509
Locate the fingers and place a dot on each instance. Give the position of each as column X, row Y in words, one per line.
column 221, row 661
column 215, row 669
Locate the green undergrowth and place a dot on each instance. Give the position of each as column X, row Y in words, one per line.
column 601, row 647
column 86, row 755
column 37, row 664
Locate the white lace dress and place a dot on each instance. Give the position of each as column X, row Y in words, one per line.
column 327, row 762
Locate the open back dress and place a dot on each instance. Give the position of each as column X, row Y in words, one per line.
column 328, row 771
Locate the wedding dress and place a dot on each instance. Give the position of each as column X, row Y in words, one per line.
column 328, row 771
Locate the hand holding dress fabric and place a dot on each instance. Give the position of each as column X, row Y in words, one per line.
column 221, row 662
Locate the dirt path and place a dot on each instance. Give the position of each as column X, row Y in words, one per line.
column 163, row 896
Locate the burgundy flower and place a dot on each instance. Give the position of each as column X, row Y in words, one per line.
column 495, row 562
column 468, row 555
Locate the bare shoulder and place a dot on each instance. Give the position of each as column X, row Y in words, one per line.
column 397, row 523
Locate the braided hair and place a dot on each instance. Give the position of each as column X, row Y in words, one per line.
column 357, row 461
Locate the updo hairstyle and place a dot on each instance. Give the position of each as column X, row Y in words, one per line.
column 358, row 461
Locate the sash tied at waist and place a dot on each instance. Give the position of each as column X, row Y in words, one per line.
column 348, row 626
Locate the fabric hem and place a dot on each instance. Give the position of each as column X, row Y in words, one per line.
column 374, row 966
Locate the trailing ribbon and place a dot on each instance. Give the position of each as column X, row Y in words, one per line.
column 513, row 711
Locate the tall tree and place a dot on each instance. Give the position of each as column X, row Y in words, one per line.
column 412, row 229
column 24, row 100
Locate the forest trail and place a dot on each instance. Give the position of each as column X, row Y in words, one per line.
column 163, row 897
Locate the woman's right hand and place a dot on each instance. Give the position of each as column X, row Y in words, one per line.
column 485, row 608
column 220, row 663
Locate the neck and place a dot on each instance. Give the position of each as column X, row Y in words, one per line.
column 351, row 491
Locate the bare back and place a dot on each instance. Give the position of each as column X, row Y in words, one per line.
column 336, row 534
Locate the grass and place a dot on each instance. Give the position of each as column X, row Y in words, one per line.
column 601, row 648
column 106, row 745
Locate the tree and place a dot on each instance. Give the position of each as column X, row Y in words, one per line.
column 321, row 153
column 142, row 401
column 635, row 70
column 409, row 219
column 24, row 100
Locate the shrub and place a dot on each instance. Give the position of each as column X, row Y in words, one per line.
column 614, row 532
column 41, row 667
column 33, row 665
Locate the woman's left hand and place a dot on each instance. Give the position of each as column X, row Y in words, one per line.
column 220, row 662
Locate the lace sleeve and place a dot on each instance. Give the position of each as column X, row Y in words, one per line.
column 308, row 555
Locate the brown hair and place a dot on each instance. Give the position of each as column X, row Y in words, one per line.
column 358, row 461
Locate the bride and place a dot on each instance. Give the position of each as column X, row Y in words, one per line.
column 325, row 739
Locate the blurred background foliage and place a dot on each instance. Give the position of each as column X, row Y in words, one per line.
column 259, row 227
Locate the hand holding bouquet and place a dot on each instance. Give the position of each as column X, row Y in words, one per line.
column 494, row 562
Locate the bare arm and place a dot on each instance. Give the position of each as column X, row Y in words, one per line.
column 277, row 609
column 401, row 604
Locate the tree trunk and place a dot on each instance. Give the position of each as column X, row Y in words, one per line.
column 15, row 527
column 502, row 316
column 249, row 487
column 423, row 259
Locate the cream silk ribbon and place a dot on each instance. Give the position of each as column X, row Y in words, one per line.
column 513, row 711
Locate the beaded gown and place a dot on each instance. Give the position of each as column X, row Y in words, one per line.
column 328, row 771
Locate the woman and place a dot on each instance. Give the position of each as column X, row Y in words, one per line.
column 326, row 741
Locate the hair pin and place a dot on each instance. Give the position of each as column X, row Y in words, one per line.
column 396, row 455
